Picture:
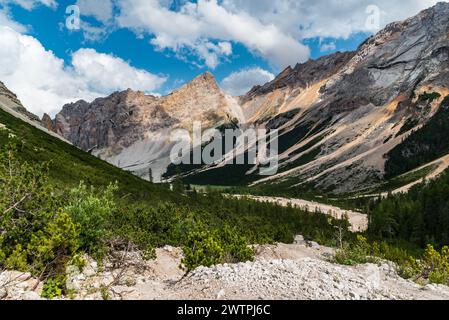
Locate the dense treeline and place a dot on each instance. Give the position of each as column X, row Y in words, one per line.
column 420, row 217
column 422, row 146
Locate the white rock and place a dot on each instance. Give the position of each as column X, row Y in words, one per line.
column 31, row 295
column 3, row 293
column 221, row 294
column 299, row 240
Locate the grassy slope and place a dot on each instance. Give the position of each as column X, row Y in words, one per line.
column 69, row 165
column 259, row 222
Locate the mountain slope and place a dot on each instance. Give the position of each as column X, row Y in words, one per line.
column 340, row 115
column 9, row 99
column 426, row 144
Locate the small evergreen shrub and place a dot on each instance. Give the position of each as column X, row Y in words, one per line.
column 355, row 253
column 201, row 249
column 207, row 248
column 53, row 287
column 235, row 246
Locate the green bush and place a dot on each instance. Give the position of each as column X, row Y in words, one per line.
column 429, row 97
column 36, row 236
column 52, row 248
column 27, row 200
column 235, row 245
column 358, row 252
column 363, row 251
column 201, row 249
column 207, row 248
column 53, row 287
column 91, row 210
column 29, row 207
column 164, row 224
column 433, row 267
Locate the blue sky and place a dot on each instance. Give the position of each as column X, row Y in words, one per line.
column 45, row 26
column 157, row 45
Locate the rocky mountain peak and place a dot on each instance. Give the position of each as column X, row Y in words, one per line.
column 204, row 83
column 48, row 123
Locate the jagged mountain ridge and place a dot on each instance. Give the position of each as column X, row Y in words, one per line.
column 338, row 116
column 132, row 130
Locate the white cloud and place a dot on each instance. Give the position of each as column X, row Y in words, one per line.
column 106, row 73
column 198, row 27
column 102, row 10
column 240, row 82
column 31, row 4
column 7, row 21
column 326, row 47
column 44, row 83
column 326, row 18
column 271, row 29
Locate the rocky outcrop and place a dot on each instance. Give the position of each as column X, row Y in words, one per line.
column 48, row 123
column 10, row 100
column 302, row 75
column 397, row 60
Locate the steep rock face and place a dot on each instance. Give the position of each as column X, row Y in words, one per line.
column 303, row 75
column 132, row 130
column 293, row 88
column 363, row 107
column 398, row 59
column 10, row 100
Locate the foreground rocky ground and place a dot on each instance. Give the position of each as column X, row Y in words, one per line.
column 298, row 271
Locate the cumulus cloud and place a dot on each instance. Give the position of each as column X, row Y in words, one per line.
column 197, row 27
column 240, row 82
column 328, row 18
column 273, row 30
column 44, row 83
column 102, row 10
column 30, row 4
column 106, row 73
